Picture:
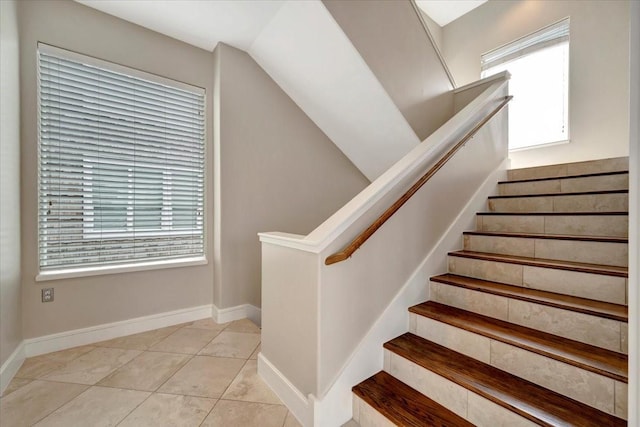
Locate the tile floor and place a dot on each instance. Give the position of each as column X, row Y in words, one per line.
column 196, row 374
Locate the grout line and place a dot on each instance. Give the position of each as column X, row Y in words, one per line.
column 137, row 406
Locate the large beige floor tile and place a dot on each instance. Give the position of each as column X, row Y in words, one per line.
column 548, row 171
column 34, row 401
column 15, row 384
column 36, row 367
column 292, row 421
column 93, row 366
column 141, row 341
column 207, row 323
column 186, row 341
column 249, row 387
column 232, row 344
column 243, row 325
column 147, row 372
column 96, row 407
column 170, row 410
column 203, row 376
column 254, row 356
column 246, row 414
column 600, row 165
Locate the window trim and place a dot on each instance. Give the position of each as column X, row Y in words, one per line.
column 551, row 35
column 107, row 269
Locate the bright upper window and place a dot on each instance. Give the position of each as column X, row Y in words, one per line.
column 121, row 164
column 539, row 67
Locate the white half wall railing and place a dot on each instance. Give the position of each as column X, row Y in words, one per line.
column 317, row 319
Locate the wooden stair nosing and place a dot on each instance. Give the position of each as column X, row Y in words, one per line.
column 566, row 302
column 404, row 405
column 595, row 359
column 532, row 213
column 575, row 193
column 602, row 239
column 607, row 270
column 584, row 175
column 529, row 400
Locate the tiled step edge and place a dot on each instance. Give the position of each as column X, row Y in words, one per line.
column 403, row 405
column 578, row 193
column 546, row 263
column 535, row 403
column 586, row 175
column 602, row 239
column 595, row 359
column 580, row 305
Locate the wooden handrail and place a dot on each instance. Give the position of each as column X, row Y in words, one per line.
column 364, row 236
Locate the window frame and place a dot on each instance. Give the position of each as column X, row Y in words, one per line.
column 549, row 36
column 138, row 265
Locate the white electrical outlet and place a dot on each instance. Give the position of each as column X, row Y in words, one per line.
column 47, row 294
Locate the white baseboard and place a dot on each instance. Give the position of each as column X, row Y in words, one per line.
column 107, row 331
column 244, row 311
column 11, row 366
column 335, row 407
column 287, row 392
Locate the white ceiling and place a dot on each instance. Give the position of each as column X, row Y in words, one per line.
column 199, row 23
column 445, row 11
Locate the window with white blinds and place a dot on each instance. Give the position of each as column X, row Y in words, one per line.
column 121, row 164
column 539, row 67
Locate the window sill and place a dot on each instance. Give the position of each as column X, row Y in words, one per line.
column 543, row 145
column 121, row 268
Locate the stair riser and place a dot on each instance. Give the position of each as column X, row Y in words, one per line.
column 598, row 287
column 366, row 416
column 592, row 252
column 577, row 225
column 578, row 168
column 616, row 202
column 463, row 402
column 582, row 385
column 594, row 330
column 566, row 185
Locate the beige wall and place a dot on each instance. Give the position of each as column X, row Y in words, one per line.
column 83, row 302
column 391, row 39
column 599, row 67
column 434, row 28
column 273, row 160
column 10, row 308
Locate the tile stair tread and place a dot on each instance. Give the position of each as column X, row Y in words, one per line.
column 549, row 236
column 608, row 270
column 566, row 302
column 540, row 405
column 577, row 193
column 403, row 405
column 613, row 213
column 595, row 359
column 586, row 175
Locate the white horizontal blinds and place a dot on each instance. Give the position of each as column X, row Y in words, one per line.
column 548, row 36
column 121, row 165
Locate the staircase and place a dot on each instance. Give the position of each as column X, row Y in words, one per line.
column 529, row 326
